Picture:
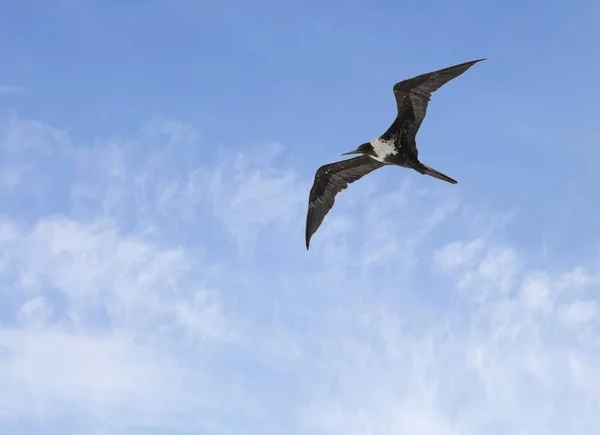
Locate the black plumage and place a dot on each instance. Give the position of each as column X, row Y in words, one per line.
column 397, row 146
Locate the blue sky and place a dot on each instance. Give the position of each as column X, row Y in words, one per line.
column 155, row 163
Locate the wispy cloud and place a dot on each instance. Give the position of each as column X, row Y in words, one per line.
column 145, row 287
column 11, row 90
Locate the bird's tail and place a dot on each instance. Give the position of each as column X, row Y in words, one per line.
column 436, row 174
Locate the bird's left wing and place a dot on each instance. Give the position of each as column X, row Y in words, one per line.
column 331, row 179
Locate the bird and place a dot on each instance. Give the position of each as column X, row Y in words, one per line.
column 397, row 146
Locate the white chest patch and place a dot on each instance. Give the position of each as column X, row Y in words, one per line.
column 383, row 148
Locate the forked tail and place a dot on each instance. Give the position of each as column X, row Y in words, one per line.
column 436, row 174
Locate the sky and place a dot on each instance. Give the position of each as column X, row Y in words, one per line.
column 155, row 164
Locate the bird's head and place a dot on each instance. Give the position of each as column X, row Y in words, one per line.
column 365, row 148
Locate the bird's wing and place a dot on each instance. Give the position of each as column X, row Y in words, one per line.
column 412, row 95
column 331, row 179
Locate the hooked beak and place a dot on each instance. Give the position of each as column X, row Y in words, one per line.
column 351, row 152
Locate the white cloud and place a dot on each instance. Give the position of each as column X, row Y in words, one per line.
column 97, row 317
column 535, row 291
column 46, row 372
column 11, row 89
column 150, row 288
column 458, row 254
column 579, row 313
column 249, row 194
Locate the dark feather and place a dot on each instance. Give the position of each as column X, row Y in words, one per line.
column 437, row 174
column 413, row 95
column 331, row 179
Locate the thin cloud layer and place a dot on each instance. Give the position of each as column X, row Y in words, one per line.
column 146, row 286
column 12, row 89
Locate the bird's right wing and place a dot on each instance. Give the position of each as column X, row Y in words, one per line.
column 416, row 91
column 331, row 179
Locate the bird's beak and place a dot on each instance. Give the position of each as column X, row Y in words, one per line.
column 351, row 152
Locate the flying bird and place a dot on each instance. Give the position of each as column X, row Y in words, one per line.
column 397, row 146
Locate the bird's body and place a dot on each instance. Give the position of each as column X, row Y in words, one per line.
column 397, row 146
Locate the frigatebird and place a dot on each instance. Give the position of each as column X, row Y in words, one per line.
column 397, row 146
